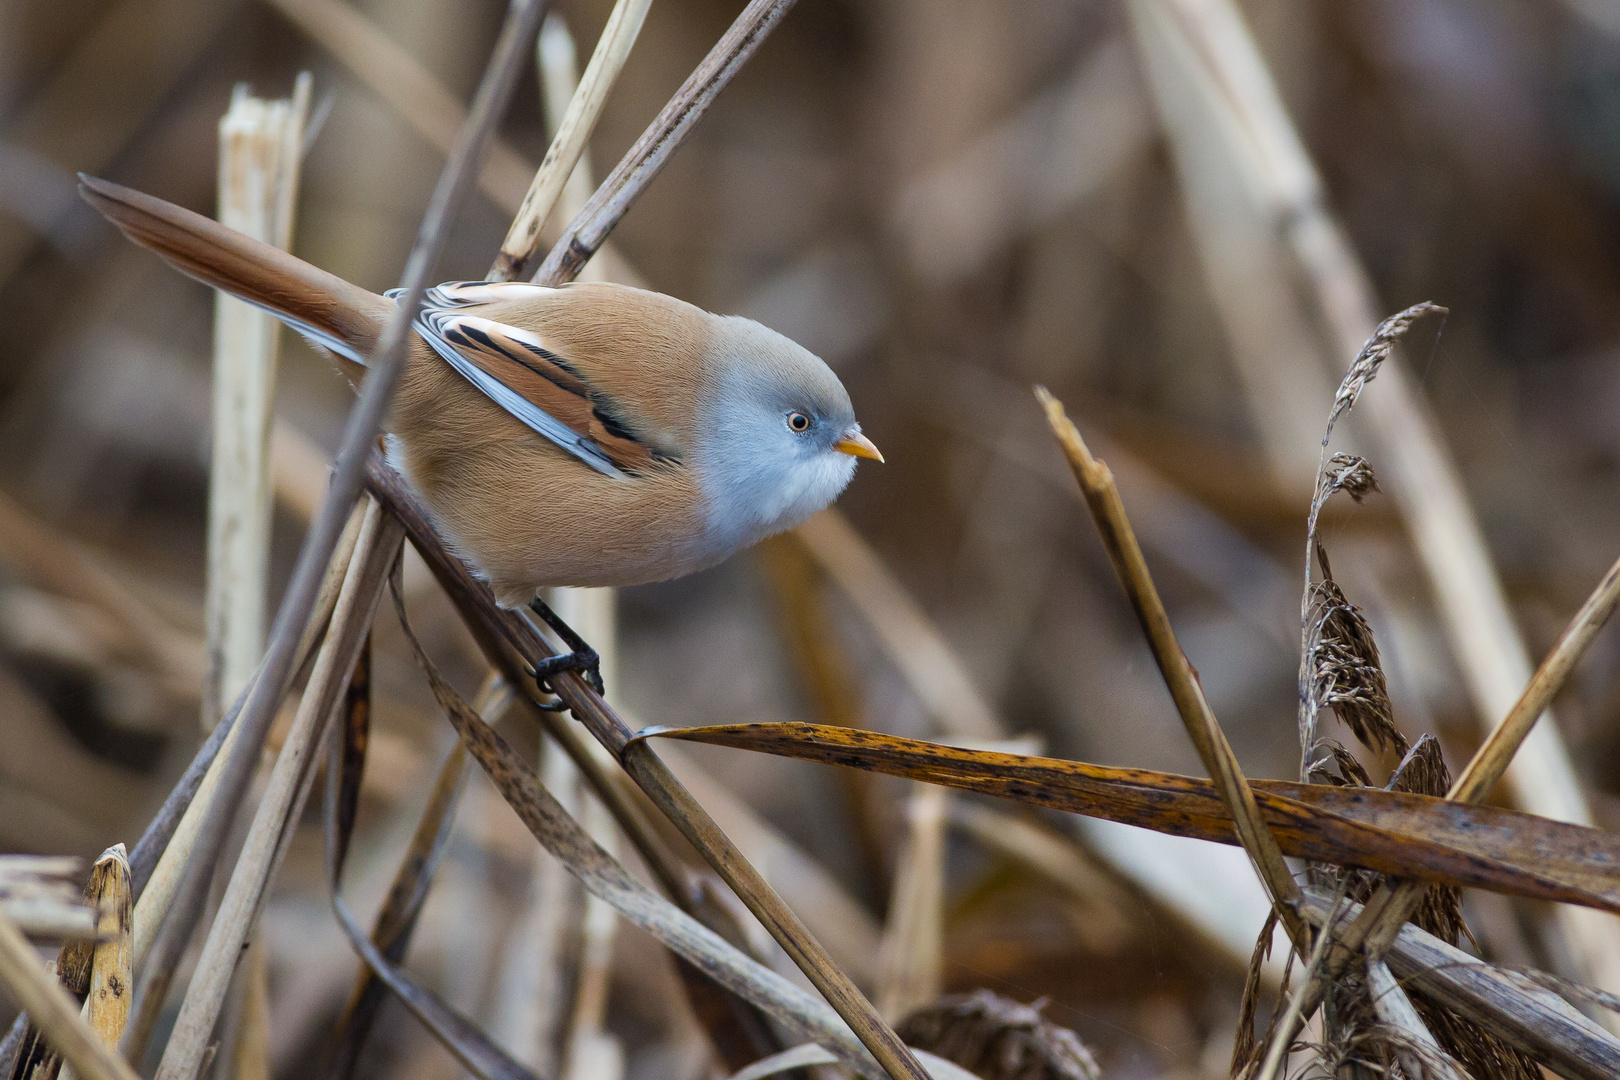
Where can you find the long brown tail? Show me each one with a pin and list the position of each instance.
(343, 317)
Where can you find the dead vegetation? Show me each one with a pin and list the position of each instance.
(389, 852)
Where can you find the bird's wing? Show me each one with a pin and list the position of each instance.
(541, 388)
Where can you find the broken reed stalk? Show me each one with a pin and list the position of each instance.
(260, 151)
(569, 138)
(1512, 1006)
(1097, 484)
(505, 638)
(54, 1010)
(260, 154)
(590, 228)
(112, 981)
(1490, 762)
(380, 538)
(383, 371)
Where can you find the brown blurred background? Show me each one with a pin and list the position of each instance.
(949, 201)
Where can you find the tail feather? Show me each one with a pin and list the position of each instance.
(323, 307)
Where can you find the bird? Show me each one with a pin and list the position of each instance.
(591, 434)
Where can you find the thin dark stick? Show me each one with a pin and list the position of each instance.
(384, 368)
(590, 228)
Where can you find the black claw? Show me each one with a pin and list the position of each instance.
(583, 659)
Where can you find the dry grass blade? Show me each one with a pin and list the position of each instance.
(643, 161)
(460, 1035)
(1387, 831)
(54, 1010)
(396, 919)
(1491, 761)
(584, 108)
(1513, 1007)
(502, 636)
(112, 980)
(1097, 484)
(603, 877)
(283, 798)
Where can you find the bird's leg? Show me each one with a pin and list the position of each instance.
(582, 658)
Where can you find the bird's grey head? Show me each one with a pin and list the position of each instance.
(779, 436)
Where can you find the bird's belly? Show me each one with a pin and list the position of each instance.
(528, 516)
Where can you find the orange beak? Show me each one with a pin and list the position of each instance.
(857, 445)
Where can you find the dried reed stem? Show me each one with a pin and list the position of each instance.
(1097, 484)
(112, 980)
(260, 151)
(1424, 1058)
(570, 136)
(54, 1011)
(1492, 760)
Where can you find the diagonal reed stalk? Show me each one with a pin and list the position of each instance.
(1097, 484)
(590, 228)
(510, 642)
(284, 796)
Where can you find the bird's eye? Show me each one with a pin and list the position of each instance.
(798, 421)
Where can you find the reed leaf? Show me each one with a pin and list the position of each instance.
(1392, 832)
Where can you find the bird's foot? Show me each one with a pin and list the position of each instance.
(581, 659)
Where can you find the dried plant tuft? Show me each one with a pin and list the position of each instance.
(999, 1039)
(1350, 474)
(1344, 671)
